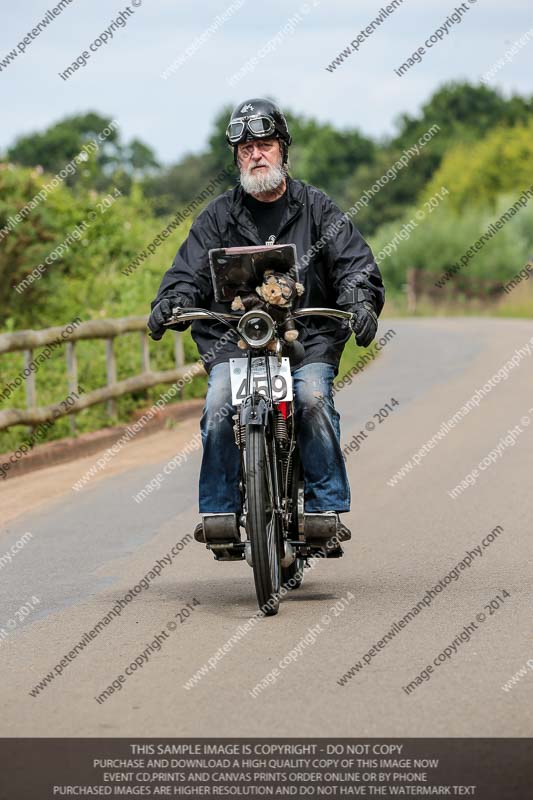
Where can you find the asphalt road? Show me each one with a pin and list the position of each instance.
(90, 547)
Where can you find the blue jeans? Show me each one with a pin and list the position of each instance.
(326, 486)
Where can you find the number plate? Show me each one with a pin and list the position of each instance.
(280, 375)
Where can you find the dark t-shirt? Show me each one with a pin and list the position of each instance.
(267, 216)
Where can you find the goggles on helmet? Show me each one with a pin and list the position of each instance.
(260, 125)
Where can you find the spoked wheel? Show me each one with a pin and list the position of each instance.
(262, 522)
(293, 575)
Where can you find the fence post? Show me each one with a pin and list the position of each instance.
(145, 358)
(111, 368)
(72, 375)
(179, 355)
(31, 394)
(411, 289)
(145, 352)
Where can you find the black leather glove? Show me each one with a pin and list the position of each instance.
(364, 323)
(359, 299)
(162, 312)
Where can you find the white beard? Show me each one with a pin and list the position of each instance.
(262, 182)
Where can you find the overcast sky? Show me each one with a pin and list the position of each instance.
(122, 78)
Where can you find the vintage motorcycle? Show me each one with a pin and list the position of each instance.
(280, 537)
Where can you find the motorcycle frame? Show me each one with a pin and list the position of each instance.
(257, 409)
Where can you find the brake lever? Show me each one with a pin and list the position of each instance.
(176, 311)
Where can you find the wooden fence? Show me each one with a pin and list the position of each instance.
(109, 330)
(420, 284)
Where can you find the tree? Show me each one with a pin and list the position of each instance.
(140, 158)
(463, 112)
(389, 200)
(326, 157)
(178, 185)
(60, 143)
(478, 174)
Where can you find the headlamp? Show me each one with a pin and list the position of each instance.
(256, 328)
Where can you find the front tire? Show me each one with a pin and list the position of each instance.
(262, 522)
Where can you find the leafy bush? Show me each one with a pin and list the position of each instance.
(477, 174)
(87, 282)
(440, 240)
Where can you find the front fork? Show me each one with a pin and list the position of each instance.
(255, 410)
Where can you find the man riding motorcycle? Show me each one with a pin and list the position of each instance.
(270, 207)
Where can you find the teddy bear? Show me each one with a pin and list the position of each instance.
(276, 295)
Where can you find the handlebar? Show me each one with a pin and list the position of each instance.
(323, 312)
(199, 313)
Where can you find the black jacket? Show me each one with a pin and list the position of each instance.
(226, 222)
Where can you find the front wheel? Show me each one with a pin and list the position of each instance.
(262, 522)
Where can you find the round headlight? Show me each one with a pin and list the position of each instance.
(256, 328)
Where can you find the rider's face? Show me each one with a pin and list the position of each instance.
(258, 155)
(260, 164)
